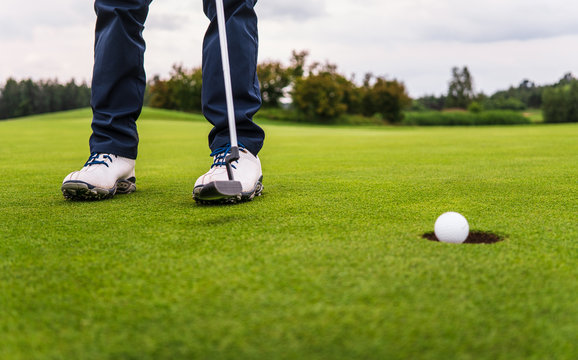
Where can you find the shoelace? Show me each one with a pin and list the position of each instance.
(93, 159)
(221, 153)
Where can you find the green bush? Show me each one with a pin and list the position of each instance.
(501, 117)
(475, 107)
(438, 118)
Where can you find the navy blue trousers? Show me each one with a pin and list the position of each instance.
(119, 79)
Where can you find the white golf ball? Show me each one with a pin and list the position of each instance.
(452, 227)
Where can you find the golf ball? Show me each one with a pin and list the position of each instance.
(452, 227)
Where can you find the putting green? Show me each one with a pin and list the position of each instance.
(329, 264)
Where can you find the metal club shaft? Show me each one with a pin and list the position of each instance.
(226, 72)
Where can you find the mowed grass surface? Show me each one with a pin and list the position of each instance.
(328, 264)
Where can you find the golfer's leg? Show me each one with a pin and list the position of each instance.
(243, 44)
(118, 81)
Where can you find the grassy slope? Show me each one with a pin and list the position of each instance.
(328, 264)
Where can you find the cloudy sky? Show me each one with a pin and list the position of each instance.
(415, 41)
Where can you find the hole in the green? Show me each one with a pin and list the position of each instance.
(475, 237)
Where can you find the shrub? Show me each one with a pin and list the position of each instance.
(475, 107)
(501, 117)
(437, 118)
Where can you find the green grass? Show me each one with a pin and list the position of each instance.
(328, 264)
(535, 115)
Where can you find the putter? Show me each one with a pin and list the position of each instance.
(217, 190)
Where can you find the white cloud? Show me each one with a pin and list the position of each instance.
(173, 15)
(19, 21)
(495, 20)
(291, 9)
(46, 39)
(41, 57)
(416, 41)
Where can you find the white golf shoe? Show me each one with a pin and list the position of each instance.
(246, 170)
(103, 176)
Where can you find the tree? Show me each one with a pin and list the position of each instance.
(526, 95)
(567, 79)
(28, 97)
(182, 91)
(9, 99)
(352, 95)
(319, 96)
(385, 97)
(274, 79)
(460, 91)
(430, 102)
(297, 63)
(560, 104)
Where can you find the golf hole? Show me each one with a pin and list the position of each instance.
(475, 237)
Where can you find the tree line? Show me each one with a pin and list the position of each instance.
(317, 92)
(28, 97)
(461, 95)
(309, 91)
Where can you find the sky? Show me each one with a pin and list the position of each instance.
(502, 42)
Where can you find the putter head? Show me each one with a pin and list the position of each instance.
(219, 190)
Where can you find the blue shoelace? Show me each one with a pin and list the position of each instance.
(93, 159)
(221, 153)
